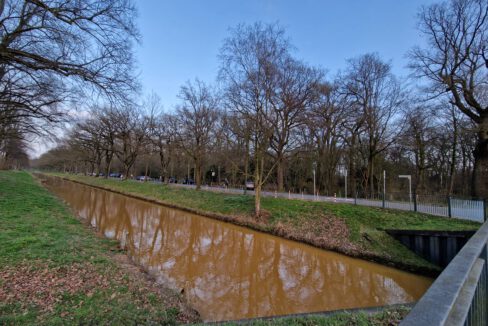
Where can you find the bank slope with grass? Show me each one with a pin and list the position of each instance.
(56, 270)
(353, 230)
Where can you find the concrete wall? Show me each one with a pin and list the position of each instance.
(438, 247)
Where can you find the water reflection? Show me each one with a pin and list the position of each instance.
(229, 272)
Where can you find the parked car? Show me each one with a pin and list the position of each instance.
(115, 175)
(143, 178)
(188, 182)
(249, 185)
(172, 180)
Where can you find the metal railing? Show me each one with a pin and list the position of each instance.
(459, 295)
(468, 209)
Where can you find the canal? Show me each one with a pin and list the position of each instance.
(230, 272)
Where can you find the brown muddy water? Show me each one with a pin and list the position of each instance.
(230, 272)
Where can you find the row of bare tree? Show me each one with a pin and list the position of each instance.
(271, 118)
(274, 119)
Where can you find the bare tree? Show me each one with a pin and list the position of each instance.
(86, 138)
(196, 121)
(295, 93)
(375, 93)
(105, 118)
(418, 139)
(161, 134)
(455, 61)
(325, 130)
(250, 58)
(53, 51)
(163, 139)
(132, 130)
(237, 138)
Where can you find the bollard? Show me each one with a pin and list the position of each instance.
(335, 198)
(289, 194)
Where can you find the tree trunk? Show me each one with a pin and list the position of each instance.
(165, 163)
(198, 173)
(108, 163)
(419, 163)
(452, 171)
(370, 174)
(98, 167)
(127, 171)
(352, 167)
(480, 171)
(146, 169)
(246, 165)
(257, 184)
(257, 200)
(280, 174)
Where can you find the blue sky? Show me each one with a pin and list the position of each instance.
(182, 38)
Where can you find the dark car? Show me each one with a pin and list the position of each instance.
(188, 182)
(115, 175)
(172, 180)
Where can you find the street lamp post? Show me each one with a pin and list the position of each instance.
(409, 177)
(345, 181)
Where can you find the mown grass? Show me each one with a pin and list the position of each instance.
(41, 239)
(387, 317)
(365, 225)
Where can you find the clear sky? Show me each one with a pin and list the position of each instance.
(182, 38)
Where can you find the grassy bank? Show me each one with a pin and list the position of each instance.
(346, 228)
(55, 270)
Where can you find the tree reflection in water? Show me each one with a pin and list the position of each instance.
(230, 272)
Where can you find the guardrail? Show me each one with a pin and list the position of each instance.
(459, 295)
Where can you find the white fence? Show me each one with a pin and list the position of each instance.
(472, 209)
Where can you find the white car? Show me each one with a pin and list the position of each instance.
(249, 185)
